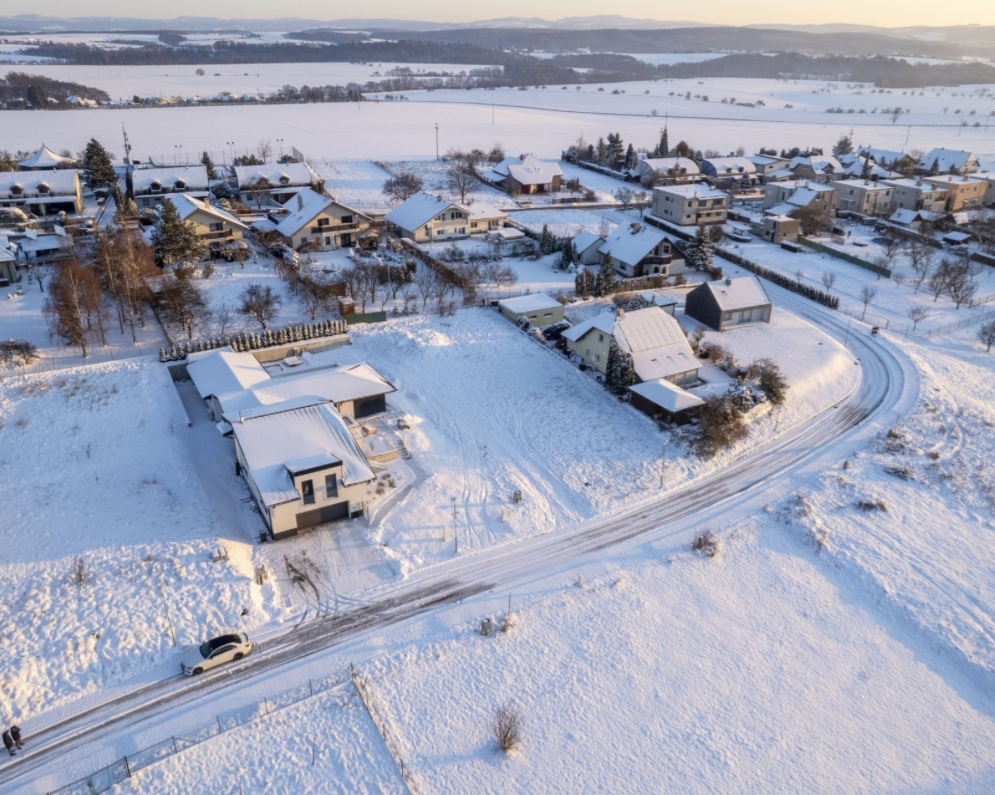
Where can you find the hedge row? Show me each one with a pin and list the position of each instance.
(246, 341)
(819, 296)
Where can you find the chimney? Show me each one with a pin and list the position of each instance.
(300, 202)
(728, 282)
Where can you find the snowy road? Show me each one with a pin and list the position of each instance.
(887, 390)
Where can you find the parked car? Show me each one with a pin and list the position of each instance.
(555, 331)
(215, 652)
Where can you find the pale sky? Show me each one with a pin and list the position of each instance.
(885, 13)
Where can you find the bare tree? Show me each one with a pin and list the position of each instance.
(917, 314)
(986, 334)
(961, 286)
(260, 302)
(940, 278)
(317, 294)
(508, 728)
(867, 294)
(891, 246)
(427, 284)
(461, 174)
(814, 220)
(73, 298)
(224, 314)
(402, 186)
(828, 280)
(624, 196)
(184, 305)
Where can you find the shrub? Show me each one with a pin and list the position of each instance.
(872, 505)
(720, 425)
(707, 544)
(508, 728)
(769, 379)
(17, 353)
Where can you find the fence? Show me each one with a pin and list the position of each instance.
(362, 685)
(126, 767)
(832, 252)
(365, 317)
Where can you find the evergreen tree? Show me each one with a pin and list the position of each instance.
(619, 371)
(615, 150)
(601, 152)
(844, 146)
(664, 149)
(209, 165)
(935, 168)
(567, 255)
(865, 171)
(97, 168)
(547, 243)
(631, 158)
(604, 283)
(174, 241)
(698, 252)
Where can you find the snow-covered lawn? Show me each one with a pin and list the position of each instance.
(925, 551)
(750, 672)
(433, 175)
(355, 183)
(103, 489)
(564, 223)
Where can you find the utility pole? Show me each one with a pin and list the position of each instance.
(437, 140)
(455, 528)
(492, 113)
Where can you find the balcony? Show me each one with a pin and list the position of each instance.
(224, 234)
(331, 228)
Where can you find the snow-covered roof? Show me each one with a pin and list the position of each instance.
(187, 205)
(170, 178)
(41, 243)
(855, 168)
(585, 240)
(744, 292)
(954, 179)
(820, 164)
(904, 217)
(666, 395)
(276, 175)
(419, 210)
(945, 159)
(224, 372)
(281, 443)
(913, 182)
(604, 322)
(781, 173)
(536, 302)
(38, 184)
(303, 208)
(44, 158)
(529, 170)
(888, 156)
(957, 237)
(658, 298)
(506, 233)
(350, 382)
(731, 165)
(863, 184)
(697, 190)
(764, 160)
(487, 212)
(656, 343)
(630, 244)
(676, 165)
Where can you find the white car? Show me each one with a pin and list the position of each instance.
(214, 652)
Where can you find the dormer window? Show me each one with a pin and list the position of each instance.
(16, 190)
(180, 185)
(284, 179)
(43, 187)
(156, 186)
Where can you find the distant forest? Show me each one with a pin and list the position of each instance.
(524, 70)
(34, 91)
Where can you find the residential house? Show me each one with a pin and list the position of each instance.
(767, 164)
(302, 464)
(890, 159)
(864, 197)
(219, 229)
(149, 185)
(784, 198)
(777, 228)
(591, 340)
(45, 160)
(525, 175)
(8, 264)
(912, 219)
(963, 192)
(948, 161)
(913, 193)
(425, 218)
(587, 247)
(486, 218)
(274, 183)
(36, 248)
(728, 171)
(863, 167)
(539, 309)
(989, 178)
(817, 168)
(638, 250)
(729, 302)
(666, 171)
(690, 205)
(42, 192)
(315, 220)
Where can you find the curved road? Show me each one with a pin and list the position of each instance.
(887, 389)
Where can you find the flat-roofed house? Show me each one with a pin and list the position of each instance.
(963, 192)
(864, 197)
(913, 193)
(690, 205)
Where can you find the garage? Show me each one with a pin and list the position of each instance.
(328, 513)
(367, 407)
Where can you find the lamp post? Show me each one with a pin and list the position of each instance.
(437, 140)
(231, 145)
(176, 153)
(280, 141)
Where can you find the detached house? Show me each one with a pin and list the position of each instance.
(948, 161)
(726, 171)
(767, 164)
(690, 205)
(963, 192)
(212, 224)
(314, 219)
(915, 194)
(666, 171)
(818, 168)
(42, 192)
(150, 185)
(730, 302)
(525, 175)
(784, 198)
(273, 183)
(587, 247)
(638, 250)
(890, 159)
(425, 218)
(864, 197)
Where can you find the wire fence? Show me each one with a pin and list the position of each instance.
(362, 684)
(126, 767)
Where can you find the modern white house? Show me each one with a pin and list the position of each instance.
(150, 185)
(913, 193)
(690, 205)
(313, 219)
(864, 196)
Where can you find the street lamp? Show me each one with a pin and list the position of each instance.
(231, 144)
(176, 153)
(280, 141)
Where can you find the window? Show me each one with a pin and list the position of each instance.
(331, 487)
(218, 227)
(347, 219)
(601, 338)
(307, 491)
(323, 222)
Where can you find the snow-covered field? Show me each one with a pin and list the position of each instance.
(564, 223)
(356, 183)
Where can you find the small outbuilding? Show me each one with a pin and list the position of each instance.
(539, 309)
(729, 302)
(660, 399)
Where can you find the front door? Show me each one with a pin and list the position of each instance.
(347, 240)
